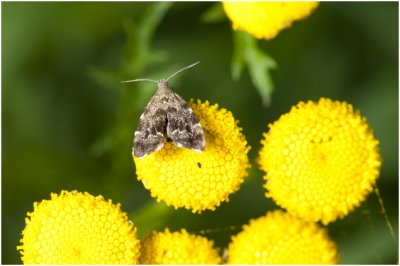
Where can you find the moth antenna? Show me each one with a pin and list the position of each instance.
(180, 70)
(136, 80)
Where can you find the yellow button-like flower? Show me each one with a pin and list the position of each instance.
(78, 228)
(198, 180)
(321, 160)
(177, 248)
(279, 238)
(264, 20)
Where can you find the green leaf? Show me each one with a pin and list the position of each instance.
(260, 64)
(247, 53)
(214, 14)
(137, 56)
(138, 53)
(238, 57)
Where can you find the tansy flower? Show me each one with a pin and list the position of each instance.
(264, 20)
(278, 238)
(198, 180)
(177, 248)
(321, 160)
(78, 228)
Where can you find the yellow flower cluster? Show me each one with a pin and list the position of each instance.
(178, 248)
(278, 238)
(199, 181)
(264, 20)
(321, 160)
(78, 228)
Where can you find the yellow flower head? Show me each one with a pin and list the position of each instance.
(198, 180)
(177, 248)
(321, 160)
(264, 20)
(78, 228)
(278, 238)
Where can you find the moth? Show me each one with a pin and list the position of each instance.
(168, 114)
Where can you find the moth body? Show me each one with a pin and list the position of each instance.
(167, 114)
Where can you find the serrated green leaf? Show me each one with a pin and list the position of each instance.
(214, 14)
(137, 52)
(138, 55)
(260, 65)
(238, 57)
(247, 53)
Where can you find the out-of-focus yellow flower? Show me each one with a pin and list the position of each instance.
(264, 20)
(78, 228)
(198, 180)
(321, 160)
(278, 238)
(177, 248)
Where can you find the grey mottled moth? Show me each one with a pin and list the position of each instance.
(167, 113)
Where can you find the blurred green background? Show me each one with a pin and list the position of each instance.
(68, 123)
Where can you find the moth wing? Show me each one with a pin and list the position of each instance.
(183, 127)
(149, 135)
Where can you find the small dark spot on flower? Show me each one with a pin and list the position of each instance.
(199, 165)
